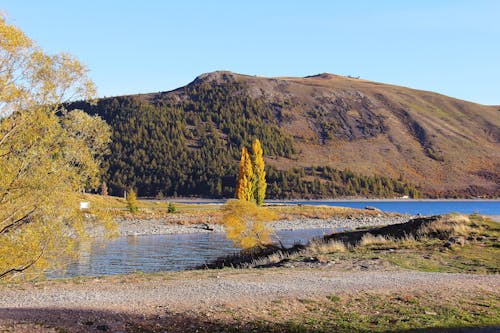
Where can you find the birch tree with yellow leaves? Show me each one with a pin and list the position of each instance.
(47, 155)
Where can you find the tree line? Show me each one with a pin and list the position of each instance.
(327, 182)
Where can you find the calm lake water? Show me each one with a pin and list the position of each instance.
(424, 207)
(156, 253)
(164, 253)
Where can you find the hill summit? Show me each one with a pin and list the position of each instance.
(323, 135)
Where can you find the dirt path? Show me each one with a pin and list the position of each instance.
(117, 298)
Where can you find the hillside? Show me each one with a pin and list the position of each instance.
(323, 136)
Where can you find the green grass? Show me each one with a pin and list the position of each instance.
(360, 312)
(466, 259)
(385, 313)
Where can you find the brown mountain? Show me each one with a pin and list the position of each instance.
(187, 141)
(441, 143)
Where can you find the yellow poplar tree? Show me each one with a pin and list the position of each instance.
(244, 220)
(244, 188)
(259, 181)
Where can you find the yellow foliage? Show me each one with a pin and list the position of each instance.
(132, 202)
(259, 173)
(244, 187)
(46, 154)
(248, 242)
(246, 223)
(251, 184)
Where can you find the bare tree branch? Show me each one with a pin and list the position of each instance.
(21, 269)
(18, 222)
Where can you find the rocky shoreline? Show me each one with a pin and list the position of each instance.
(136, 227)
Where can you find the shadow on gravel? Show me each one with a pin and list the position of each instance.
(81, 320)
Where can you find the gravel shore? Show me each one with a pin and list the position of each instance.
(495, 217)
(112, 304)
(135, 227)
(197, 288)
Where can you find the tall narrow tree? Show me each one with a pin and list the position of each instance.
(244, 221)
(244, 188)
(259, 178)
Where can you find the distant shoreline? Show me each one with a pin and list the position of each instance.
(294, 201)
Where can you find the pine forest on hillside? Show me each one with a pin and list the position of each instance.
(191, 146)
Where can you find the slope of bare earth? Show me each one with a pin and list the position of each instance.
(444, 144)
(115, 303)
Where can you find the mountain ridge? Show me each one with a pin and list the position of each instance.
(445, 146)
(324, 75)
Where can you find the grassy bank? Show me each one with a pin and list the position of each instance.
(191, 213)
(451, 243)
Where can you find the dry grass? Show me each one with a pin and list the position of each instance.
(321, 246)
(410, 242)
(195, 218)
(371, 241)
(415, 246)
(320, 212)
(447, 226)
(444, 228)
(317, 248)
(185, 214)
(106, 202)
(270, 259)
(434, 233)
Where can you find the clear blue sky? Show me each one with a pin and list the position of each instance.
(452, 47)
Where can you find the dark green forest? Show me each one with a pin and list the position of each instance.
(327, 182)
(189, 144)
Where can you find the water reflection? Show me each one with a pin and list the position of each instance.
(157, 253)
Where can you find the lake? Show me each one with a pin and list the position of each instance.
(164, 253)
(424, 207)
(157, 253)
